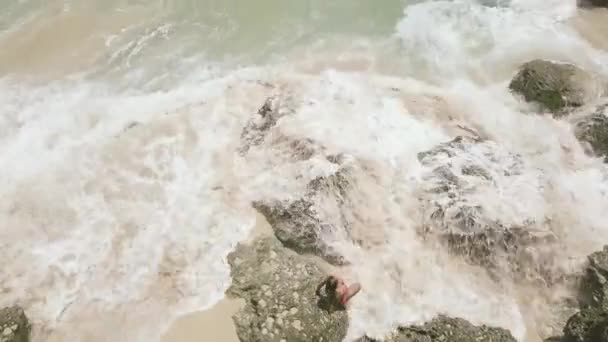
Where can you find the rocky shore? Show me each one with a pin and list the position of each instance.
(278, 286)
(277, 275)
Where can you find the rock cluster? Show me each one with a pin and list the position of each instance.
(277, 279)
(279, 286)
(563, 89)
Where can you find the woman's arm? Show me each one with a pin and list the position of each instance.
(352, 291)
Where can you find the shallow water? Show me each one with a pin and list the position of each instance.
(123, 191)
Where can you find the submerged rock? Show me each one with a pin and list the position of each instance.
(556, 86)
(446, 329)
(279, 286)
(467, 168)
(261, 132)
(593, 129)
(302, 224)
(322, 212)
(256, 130)
(14, 326)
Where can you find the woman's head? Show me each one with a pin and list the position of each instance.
(332, 284)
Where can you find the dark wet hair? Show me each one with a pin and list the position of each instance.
(330, 301)
(332, 284)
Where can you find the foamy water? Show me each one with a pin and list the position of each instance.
(123, 191)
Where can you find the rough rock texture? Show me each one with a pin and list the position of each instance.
(446, 329)
(300, 224)
(594, 286)
(588, 325)
(256, 129)
(279, 289)
(467, 166)
(593, 129)
(14, 326)
(262, 129)
(556, 86)
(591, 323)
(279, 286)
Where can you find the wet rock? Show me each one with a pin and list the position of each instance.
(262, 133)
(256, 130)
(556, 86)
(588, 325)
(306, 223)
(593, 130)
(296, 149)
(303, 224)
(279, 286)
(460, 170)
(594, 285)
(14, 325)
(446, 329)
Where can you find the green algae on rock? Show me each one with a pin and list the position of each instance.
(556, 86)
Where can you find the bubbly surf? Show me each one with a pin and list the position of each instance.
(124, 192)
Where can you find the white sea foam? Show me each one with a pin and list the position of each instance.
(124, 191)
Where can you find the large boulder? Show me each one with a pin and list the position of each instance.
(317, 213)
(590, 324)
(302, 224)
(446, 329)
(278, 287)
(556, 86)
(258, 129)
(592, 129)
(14, 326)
(594, 286)
(466, 169)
